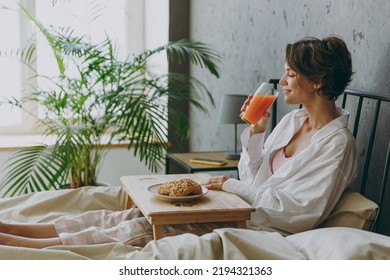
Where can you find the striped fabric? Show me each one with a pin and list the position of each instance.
(128, 226)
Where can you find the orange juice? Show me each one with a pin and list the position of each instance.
(258, 107)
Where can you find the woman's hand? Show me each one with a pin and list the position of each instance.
(216, 182)
(261, 126)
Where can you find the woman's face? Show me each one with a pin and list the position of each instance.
(297, 89)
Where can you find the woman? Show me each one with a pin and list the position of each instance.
(294, 180)
(309, 159)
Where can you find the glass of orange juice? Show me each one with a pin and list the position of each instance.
(260, 103)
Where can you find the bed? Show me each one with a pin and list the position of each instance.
(318, 244)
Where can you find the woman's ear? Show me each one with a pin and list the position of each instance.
(317, 85)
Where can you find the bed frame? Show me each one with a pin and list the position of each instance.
(369, 123)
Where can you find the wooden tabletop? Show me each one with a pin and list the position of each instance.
(215, 206)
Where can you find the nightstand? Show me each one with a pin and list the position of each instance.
(177, 163)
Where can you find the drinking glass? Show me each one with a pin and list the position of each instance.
(260, 103)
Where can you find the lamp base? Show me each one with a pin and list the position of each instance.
(232, 155)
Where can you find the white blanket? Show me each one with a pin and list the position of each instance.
(326, 243)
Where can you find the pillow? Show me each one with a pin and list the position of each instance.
(352, 210)
(340, 243)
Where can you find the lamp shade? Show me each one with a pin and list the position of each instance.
(230, 109)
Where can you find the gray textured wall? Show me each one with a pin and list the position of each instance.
(252, 34)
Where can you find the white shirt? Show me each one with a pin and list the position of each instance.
(302, 192)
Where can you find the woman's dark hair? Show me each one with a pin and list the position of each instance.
(326, 61)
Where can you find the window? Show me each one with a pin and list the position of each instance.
(135, 25)
(10, 69)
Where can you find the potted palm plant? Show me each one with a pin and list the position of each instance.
(106, 100)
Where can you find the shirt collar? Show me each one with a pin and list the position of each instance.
(340, 122)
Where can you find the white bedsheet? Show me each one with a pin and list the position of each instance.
(326, 243)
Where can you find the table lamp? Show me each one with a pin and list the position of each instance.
(229, 113)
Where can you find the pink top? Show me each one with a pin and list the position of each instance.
(279, 159)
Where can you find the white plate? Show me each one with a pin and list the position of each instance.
(153, 190)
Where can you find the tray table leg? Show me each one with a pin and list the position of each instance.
(157, 232)
(129, 202)
(241, 224)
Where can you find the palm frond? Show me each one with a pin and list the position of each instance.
(49, 37)
(96, 9)
(70, 45)
(187, 50)
(26, 55)
(32, 169)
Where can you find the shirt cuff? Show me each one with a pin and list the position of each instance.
(253, 145)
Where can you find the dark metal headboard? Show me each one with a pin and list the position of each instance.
(376, 101)
(360, 104)
(275, 83)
